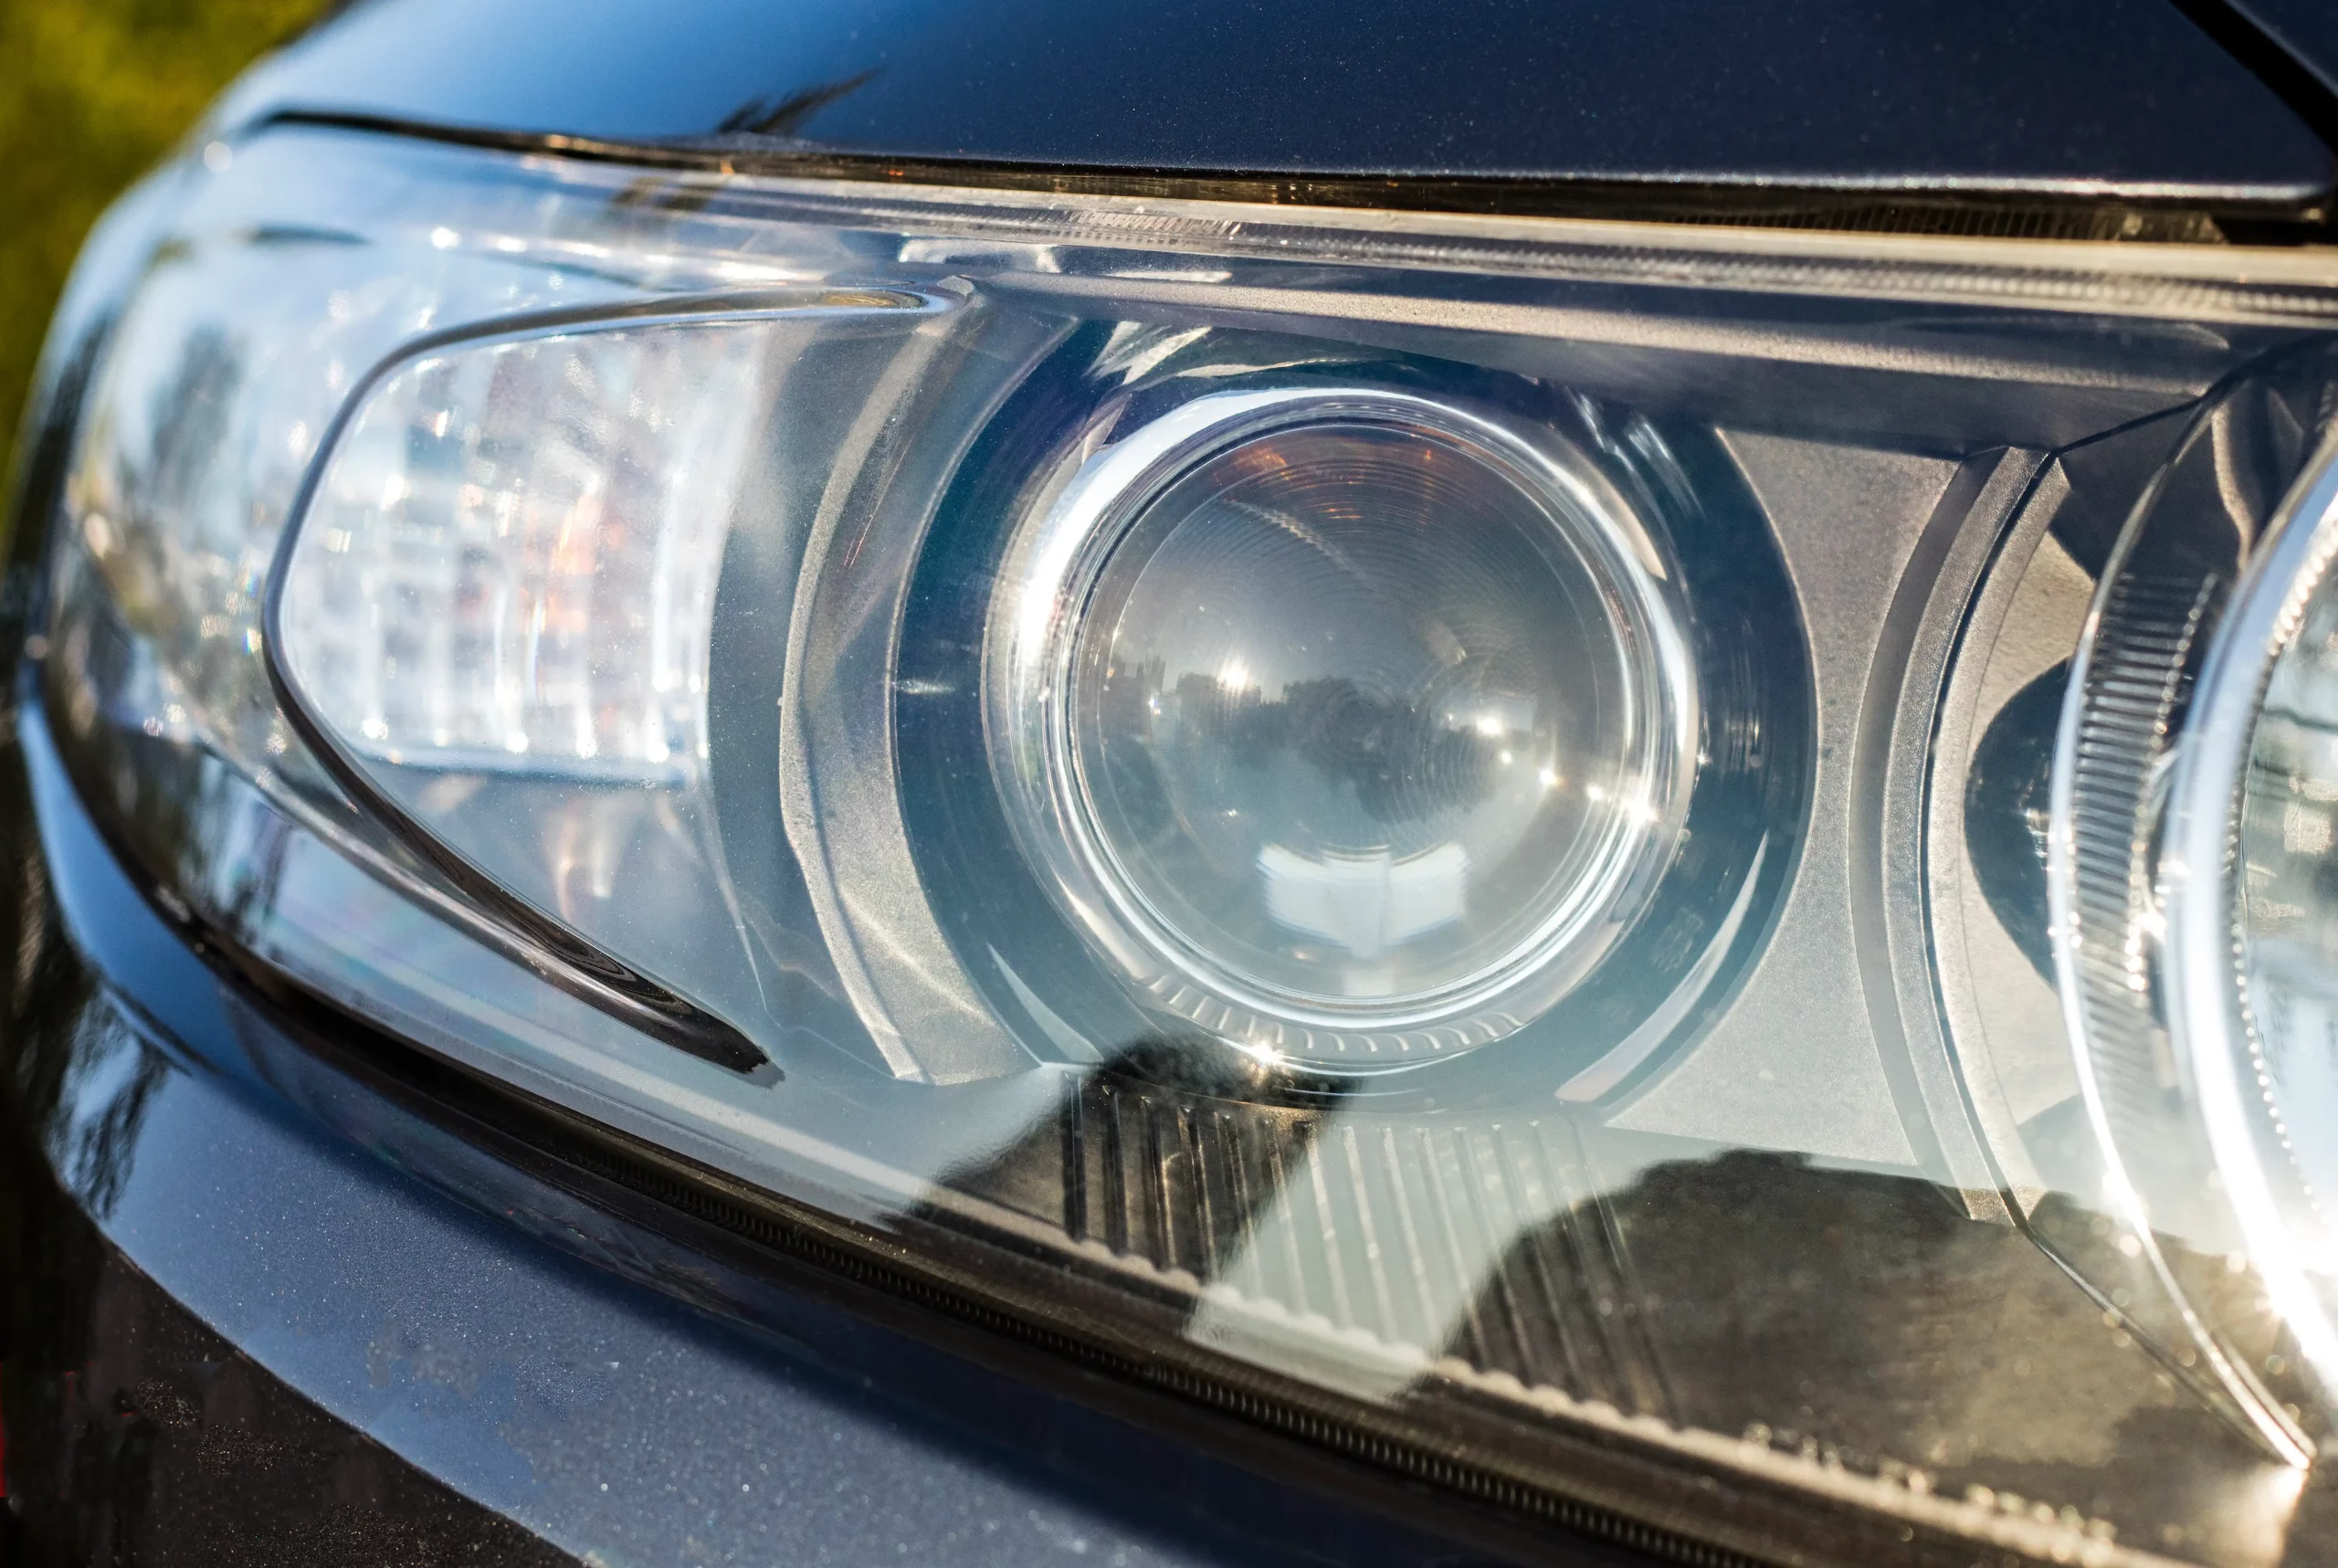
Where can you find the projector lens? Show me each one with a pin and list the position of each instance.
(1359, 722)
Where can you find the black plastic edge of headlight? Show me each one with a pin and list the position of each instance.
(1976, 212)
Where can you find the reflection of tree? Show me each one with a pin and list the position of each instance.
(2006, 812)
(178, 549)
(1858, 1315)
(113, 1076)
(1406, 761)
(188, 416)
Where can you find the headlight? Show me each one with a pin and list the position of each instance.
(1672, 877)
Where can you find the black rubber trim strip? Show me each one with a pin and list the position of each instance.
(2285, 76)
(2002, 214)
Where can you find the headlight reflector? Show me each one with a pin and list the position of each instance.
(508, 562)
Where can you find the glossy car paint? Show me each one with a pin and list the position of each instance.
(225, 1279)
(2096, 95)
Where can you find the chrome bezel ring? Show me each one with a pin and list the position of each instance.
(2205, 958)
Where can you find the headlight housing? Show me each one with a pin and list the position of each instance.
(1442, 826)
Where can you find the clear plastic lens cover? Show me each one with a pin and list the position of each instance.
(1450, 822)
(2286, 924)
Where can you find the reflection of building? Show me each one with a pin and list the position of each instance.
(1367, 904)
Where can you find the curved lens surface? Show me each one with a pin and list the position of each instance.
(1357, 726)
(2285, 911)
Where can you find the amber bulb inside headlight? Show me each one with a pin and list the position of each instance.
(1349, 724)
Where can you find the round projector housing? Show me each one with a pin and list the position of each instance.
(1349, 726)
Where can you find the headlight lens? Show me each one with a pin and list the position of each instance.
(2284, 924)
(2287, 901)
(2236, 935)
(1449, 826)
(2162, 891)
(1345, 721)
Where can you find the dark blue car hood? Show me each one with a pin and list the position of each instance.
(2124, 98)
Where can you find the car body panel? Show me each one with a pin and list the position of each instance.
(2101, 96)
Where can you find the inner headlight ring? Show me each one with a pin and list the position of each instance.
(2196, 604)
(2216, 879)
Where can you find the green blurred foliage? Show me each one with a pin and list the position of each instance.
(93, 92)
